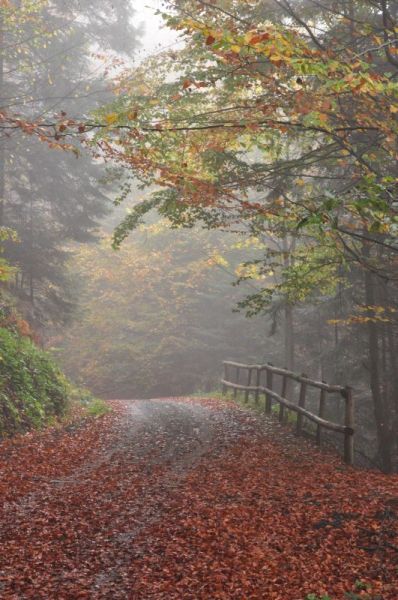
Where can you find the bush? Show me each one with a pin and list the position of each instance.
(33, 390)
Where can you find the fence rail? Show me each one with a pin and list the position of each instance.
(232, 377)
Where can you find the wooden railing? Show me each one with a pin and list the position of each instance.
(253, 376)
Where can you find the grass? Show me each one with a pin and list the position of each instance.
(87, 403)
(214, 394)
(97, 408)
(240, 400)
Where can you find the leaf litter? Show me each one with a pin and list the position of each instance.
(191, 499)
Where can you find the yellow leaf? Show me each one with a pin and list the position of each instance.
(111, 118)
(236, 49)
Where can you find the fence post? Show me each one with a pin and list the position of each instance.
(249, 378)
(283, 394)
(237, 381)
(224, 387)
(268, 398)
(289, 385)
(321, 413)
(349, 423)
(257, 392)
(303, 390)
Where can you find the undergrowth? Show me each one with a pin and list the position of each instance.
(87, 403)
(214, 394)
(33, 391)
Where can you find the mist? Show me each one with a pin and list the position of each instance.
(198, 222)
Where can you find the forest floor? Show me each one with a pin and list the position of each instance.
(190, 499)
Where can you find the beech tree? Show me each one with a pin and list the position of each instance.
(278, 113)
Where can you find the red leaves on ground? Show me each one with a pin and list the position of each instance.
(102, 511)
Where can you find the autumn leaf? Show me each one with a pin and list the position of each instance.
(111, 118)
(257, 501)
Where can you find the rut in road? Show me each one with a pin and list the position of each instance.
(189, 498)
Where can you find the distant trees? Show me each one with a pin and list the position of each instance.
(156, 317)
(52, 67)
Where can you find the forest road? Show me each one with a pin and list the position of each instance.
(169, 432)
(91, 519)
(189, 499)
(164, 439)
(167, 439)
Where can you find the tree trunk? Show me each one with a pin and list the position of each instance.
(379, 402)
(391, 371)
(2, 148)
(289, 338)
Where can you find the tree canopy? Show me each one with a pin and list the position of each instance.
(277, 119)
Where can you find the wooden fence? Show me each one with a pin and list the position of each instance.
(253, 376)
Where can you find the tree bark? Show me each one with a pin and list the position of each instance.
(2, 148)
(289, 337)
(379, 402)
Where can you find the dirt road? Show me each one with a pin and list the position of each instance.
(188, 499)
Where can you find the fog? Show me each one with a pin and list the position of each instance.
(195, 283)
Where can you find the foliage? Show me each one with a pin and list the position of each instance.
(42, 41)
(32, 389)
(22, 27)
(156, 317)
(5, 269)
(287, 112)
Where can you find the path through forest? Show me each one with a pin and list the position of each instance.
(192, 499)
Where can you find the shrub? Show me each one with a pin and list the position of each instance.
(32, 389)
